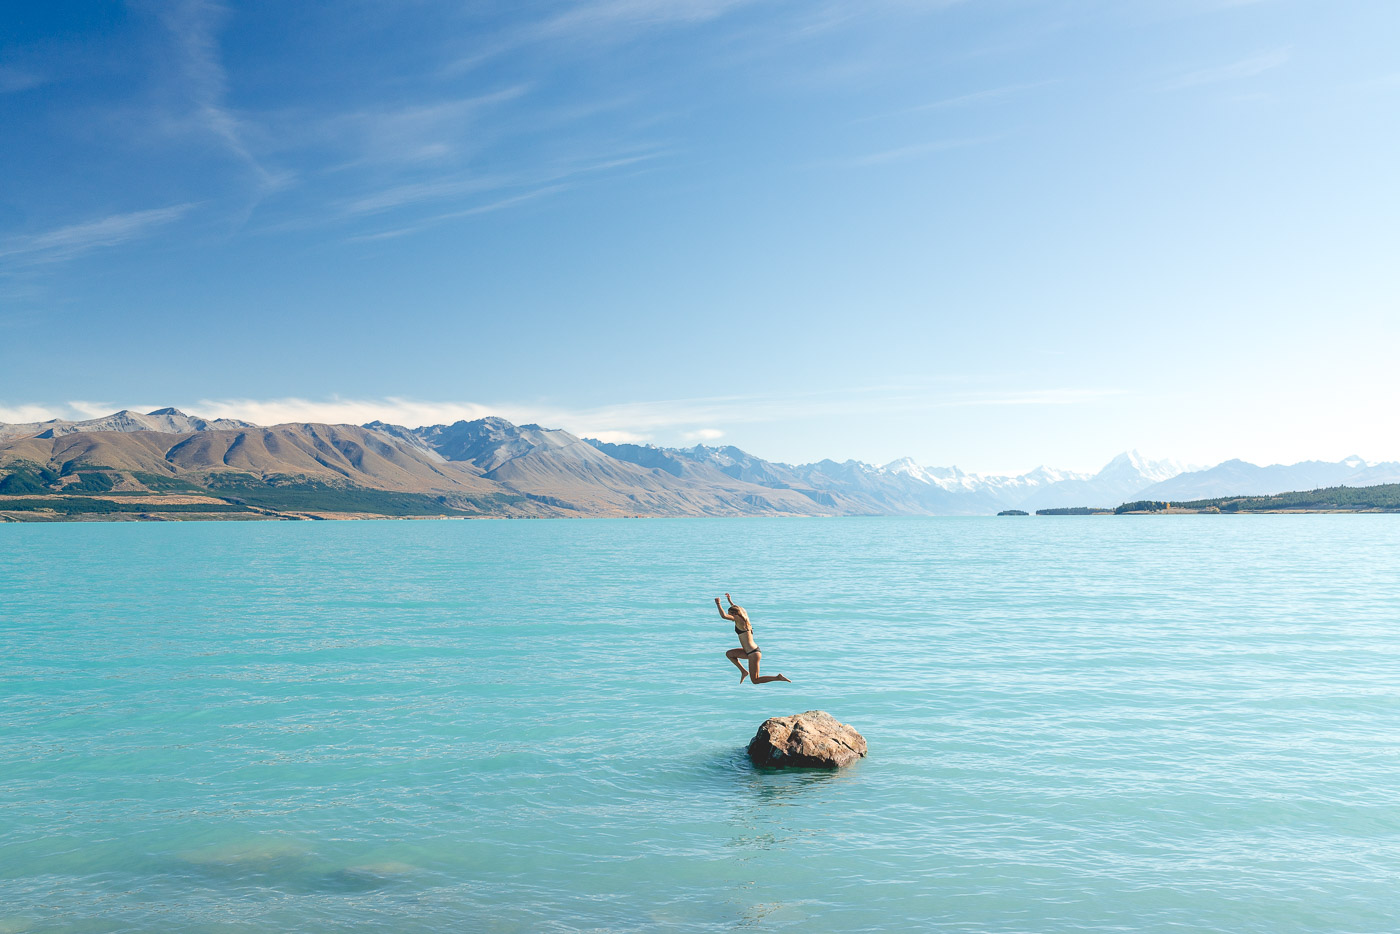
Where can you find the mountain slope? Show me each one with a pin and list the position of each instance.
(565, 469)
(337, 453)
(726, 467)
(903, 487)
(525, 470)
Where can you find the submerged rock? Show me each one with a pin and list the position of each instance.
(811, 740)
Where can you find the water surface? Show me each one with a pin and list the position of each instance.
(1107, 724)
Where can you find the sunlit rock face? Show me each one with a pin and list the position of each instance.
(811, 740)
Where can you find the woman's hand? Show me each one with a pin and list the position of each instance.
(727, 597)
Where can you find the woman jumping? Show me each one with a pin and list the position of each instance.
(747, 647)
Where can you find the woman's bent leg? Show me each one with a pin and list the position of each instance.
(734, 655)
(753, 672)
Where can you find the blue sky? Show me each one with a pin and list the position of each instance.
(988, 233)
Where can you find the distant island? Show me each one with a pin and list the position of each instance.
(167, 465)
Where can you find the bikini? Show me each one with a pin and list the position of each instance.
(738, 631)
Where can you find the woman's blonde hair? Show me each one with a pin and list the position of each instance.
(739, 612)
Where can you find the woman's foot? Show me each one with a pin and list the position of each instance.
(782, 677)
(742, 676)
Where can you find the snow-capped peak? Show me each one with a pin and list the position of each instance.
(946, 477)
(1151, 471)
(906, 466)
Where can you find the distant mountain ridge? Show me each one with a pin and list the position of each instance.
(491, 466)
(168, 420)
(483, 467)
(1240, 478)
(905, 487)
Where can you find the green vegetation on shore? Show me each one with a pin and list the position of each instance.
(40, 492)
(1144, 505)
(24, 477)
(81, 506)
(299, 494)
(1381, 498)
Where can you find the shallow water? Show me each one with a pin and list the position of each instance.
(1105, 724)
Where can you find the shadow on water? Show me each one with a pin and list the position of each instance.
(771, 785)
(774, 785)
(287, 866)
(792, 786)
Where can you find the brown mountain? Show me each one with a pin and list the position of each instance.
(484, 467)
(568, 470)
(325, 452)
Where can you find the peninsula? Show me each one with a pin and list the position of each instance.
(1380, 498)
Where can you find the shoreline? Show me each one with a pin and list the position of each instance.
(244, 513)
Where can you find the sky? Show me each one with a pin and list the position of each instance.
(990, 233)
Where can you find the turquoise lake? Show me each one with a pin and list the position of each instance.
(1173, 724)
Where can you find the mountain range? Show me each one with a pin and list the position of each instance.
(491, 467)
(166, 420)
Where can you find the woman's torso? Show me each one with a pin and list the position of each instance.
(745, 636)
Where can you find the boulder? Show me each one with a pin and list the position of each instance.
(811, 740)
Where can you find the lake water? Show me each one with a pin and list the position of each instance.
(1106, 724)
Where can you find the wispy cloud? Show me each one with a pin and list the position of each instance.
(589, 23)
(695, 419)
(601, 15)
(337, 410)
(487, 208)
(425, 191)
(667, 421)
(647, 418)
(76, 410)
(989, 95)
(542, 184)
(915, 151)
(67, 242)
(412, 133)
(1032, 397)
(193, 25)
(1244, 68)
(86, 408)
(25, 414)
(14, 78)
(457, 186)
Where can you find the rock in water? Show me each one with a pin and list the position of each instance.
(811, 740)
